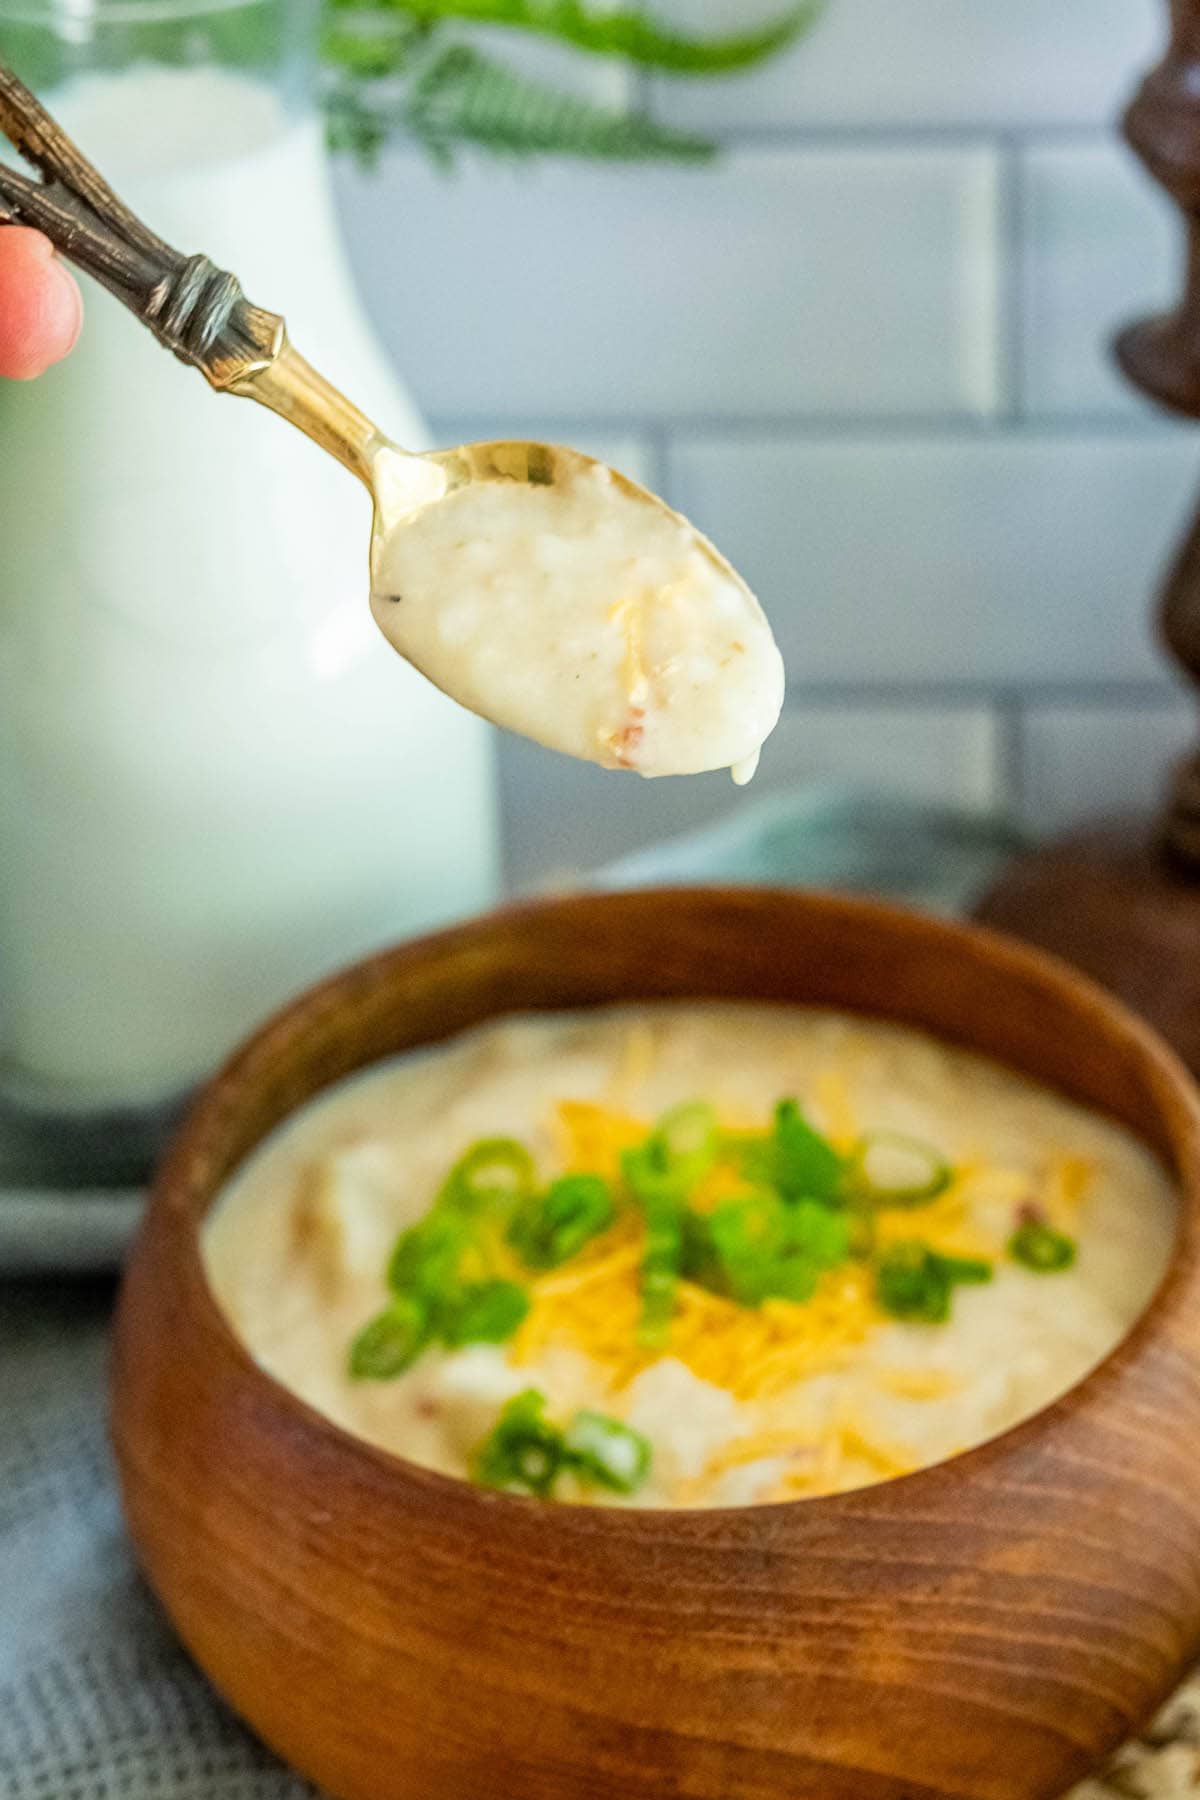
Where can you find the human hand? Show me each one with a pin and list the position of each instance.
(41, 309)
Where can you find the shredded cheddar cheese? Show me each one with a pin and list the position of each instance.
(943, 1224)
(629, 616)
(1069, 1180)
(918, 1384)
(593, 1136)
(832, 1098)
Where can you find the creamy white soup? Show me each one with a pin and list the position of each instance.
(587, 617)
(688, 1255)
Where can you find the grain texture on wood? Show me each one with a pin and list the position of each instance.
(983, 1630)
(1108, 900)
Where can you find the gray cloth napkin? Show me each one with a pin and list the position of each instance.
(97, 1700)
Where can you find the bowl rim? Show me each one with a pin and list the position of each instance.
(1178, 1288)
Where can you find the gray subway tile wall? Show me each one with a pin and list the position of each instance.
(1088, 760)
(874, 64)
(614, 292)
(1098, 245)
(1011, 558)
(867, 350)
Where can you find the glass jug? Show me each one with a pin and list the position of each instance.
(216, 781)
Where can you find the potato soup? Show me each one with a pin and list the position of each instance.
(688, 1255)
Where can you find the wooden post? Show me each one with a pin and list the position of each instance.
(1162, 355)
(1122, 901)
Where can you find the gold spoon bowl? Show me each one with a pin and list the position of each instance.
(201, 314)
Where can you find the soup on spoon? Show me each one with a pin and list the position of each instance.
(563, 601)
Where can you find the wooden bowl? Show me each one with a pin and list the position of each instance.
(985, 1629)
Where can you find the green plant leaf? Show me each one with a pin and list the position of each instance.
(631, 32)
(371, 44)
(461, 96)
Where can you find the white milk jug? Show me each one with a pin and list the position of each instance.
(216, 780)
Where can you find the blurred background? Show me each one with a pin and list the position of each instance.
(865, 350)
(848, 308)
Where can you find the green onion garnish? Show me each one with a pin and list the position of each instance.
(523, 1453)
(807, 1209)
(662, 1264)
(436, 1257)
(888, 1168)
(548, 1229)
(492, 1172)
(795, 1159)
(689, 1137)
(444, 1266)
(391, 1342)
(603, 1451)
(769, 1248)
(489, 1312)
(914, 1282)
(1040, 1247)
(660, 1173)
(676, 1156)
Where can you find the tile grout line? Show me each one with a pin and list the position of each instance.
(659, 474)
(813, 428)
(943, 696)
(872, 137)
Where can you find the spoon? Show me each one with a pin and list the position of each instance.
(531, 583)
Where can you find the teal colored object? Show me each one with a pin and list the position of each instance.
(936, 857)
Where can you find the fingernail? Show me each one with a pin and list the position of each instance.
(71, 288)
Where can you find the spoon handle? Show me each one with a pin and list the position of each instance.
(196, 310)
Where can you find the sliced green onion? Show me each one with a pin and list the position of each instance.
(442, 1270)
(795, 1159)
(914, 1282)
(548, 1229)
(602, 1450)
(689, 1137)
(889, 1168)
(747, 1236)
(493, 1171)
(966, 1271)
(662, 1262)
(819, 1232)
(769, 1248)
(1040, 1247)
(698, 1260)
(660, 1173)
(434, 1258)
(675, 1157)
(808, 1164)
(524, 1452)
(391, 1342)
(488, 1312)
